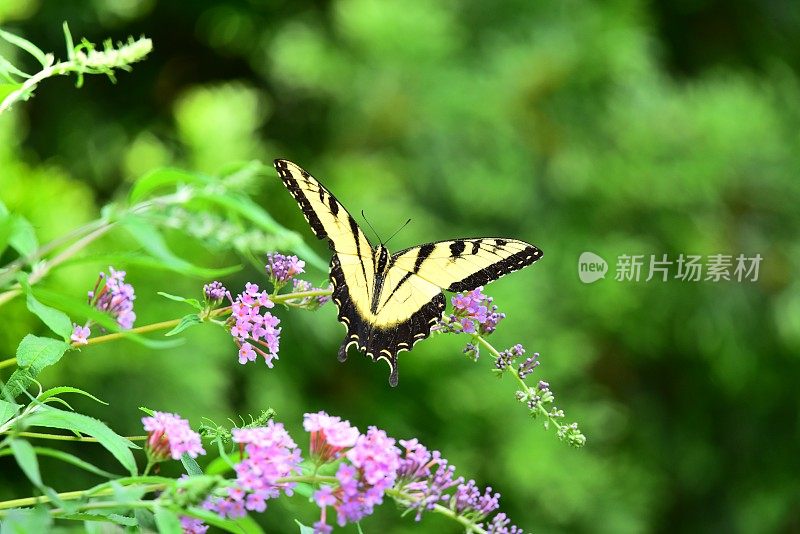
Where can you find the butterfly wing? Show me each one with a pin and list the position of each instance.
(464, 264)
(352, 267)
(411, 299)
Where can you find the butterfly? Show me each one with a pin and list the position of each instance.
(390, 302)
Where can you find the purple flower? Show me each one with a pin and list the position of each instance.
(499, 525)
(527, 367)
(329, 435)
(191, 525)
(214, 292)
(271, 456)
(80, 334)
(426, 488)
(320, 527)
(112, 295)
(372, 470)
(475, 312)
(302, 286)
(281, 269)
(469, 499)
(254, 332)
(168, 435)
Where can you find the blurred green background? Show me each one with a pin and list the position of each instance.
(619, 127)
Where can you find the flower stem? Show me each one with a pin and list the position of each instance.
(61, 437)
(469, 526)
(100, 490)
(496, 354)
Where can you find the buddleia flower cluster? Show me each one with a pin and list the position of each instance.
(254, 328)
(170, 436)
(255, 331)
(369, 468)
(110, 295)
(475, 314)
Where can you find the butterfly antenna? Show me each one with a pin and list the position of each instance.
(371, 228)
(397, 232)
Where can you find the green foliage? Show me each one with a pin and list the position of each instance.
(117, 445)
(601, 126)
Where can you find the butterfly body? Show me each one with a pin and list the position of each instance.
(389, 302)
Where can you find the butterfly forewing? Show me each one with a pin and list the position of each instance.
(330, 220)
(464, 264)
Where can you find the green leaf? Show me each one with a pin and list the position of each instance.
(153, 242)
(245, 207)
(7, 69)
(56, 320)
(161, 178)
(186, 321)
(26, 45)
(132, 259)
(26, 459)
(306, 490)
(191, 465)
(304, 529)
(220, 465)
(8, 410)
(117, 445)
(23, 237)
(36, 353)
(68, 458)
(192, 302)
(26, 521)
(52, 392)
(243, 525)
(18, 382)
(167, 521)
(145, 519)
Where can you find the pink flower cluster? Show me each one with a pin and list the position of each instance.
(114, 297)
(111, 295)
(371, 464)
(372, 469)
(329, 436)
(170, 436)
(271, 455)
(253, 331)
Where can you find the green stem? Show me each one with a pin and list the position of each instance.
(281, 299)
(469, 526)
(61, 437)
(172, 323)
(97, 491)
(42, 270)
(53, 70)
(522, 383)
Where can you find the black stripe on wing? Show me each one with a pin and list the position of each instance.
(300, 197)
(462, 249)
(515, 262)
